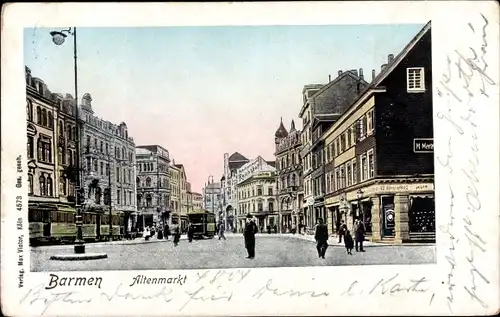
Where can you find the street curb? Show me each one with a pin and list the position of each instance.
(78, 257)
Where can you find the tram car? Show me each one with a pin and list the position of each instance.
(203, 223)
(50, 223)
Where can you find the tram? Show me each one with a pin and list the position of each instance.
(203, 223)
(51, 223)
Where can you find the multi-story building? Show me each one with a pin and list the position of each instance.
(51, 152)
(323, 105)
(380, 150)
(228, 182)
(175, 200)
(212, 199)
(190, 202)
(248, 170)
(153, 185)
(288, 176)
(108, 169)
(183, 197)
(256, 196)
(197, 201)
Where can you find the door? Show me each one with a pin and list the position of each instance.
(98, 226)
(388, 216)
(46, 223)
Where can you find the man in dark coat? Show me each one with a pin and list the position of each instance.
(249, 234)
(342, 230)
(321, 237)
(190, 232)
(359, 235)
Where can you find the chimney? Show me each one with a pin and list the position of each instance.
(329, 78)
(361, 73)
(340, 72)
(390, 58)
(383, 67)
(373, 74)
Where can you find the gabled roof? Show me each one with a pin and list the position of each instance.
(237, 157)
(390, 67)
(271, 163)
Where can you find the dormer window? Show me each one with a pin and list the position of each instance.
(415, 79)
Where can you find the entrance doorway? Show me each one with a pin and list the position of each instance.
(388, 216)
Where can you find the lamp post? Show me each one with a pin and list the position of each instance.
(359, 195)
(58, 37)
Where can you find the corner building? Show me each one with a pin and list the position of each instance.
(378, 173)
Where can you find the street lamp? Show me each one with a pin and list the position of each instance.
(359, 194)
(58, 37)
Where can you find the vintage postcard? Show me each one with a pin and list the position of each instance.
(301, 158)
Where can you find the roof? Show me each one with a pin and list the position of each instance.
(236, 157)
(179, 166)
(281, 132)
(271, 163)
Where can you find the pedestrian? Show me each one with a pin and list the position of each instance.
(275, 229)
(177, 236)
(167, 231)
(294, 228)
(159, 235)
(146, 234)
(321, 237)
(249, 235)
(359, 235)
(221, 231)
(268, 229)
(190, 232)
(349, 243)
(342, 230)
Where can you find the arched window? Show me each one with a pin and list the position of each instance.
(283, 182)
(29, 110)
(30, 184)
(293, 179)
(60, 154)
(39, 115)
(43, 188)
(62, 186)
(123, 152)
(44, 117)
(148, 182)
(50, 123)
(138, 182)
(60, 129)
(139, 200)
(149, 200)
(49, 186)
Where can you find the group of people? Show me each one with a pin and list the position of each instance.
(321, 237)
(150, 231)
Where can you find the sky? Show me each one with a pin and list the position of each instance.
(201, 92)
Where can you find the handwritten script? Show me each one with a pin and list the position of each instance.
(464, 86)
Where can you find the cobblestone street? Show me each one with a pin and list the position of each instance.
(271, 251)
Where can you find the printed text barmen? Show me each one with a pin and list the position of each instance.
(73, 281)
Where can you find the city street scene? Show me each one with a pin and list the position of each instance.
(229, 147)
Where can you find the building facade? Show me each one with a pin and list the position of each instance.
(183, 196)
(212, 199)
(379, 173)
(153, 185)
(257, 196)
(323, 105)
(175, 200)
(288, 176)
(197, 201)
(51, 155)
(107, 169)
(228, 183)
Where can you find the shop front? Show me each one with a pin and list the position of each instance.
(399, 211)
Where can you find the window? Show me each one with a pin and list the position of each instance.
(337, 178)
(342, 142)
(50, 122)
(148, 182)
(371, 164)
(107, 169)
(60, 129)
(101, 147)
(60, 155)
(349, 135)
(364, 168)
(29, 110)
(49, 186)
(44, 117)
(98, 194)
(370, 121)
(363, 126)
(62, 185)
(342, 176)
(260, 206)
(271, 206)
(353, 133)
(44, 150)
(102, 168)
(270, 191)
(118, 197)
(415, 79)
(70, 158)
(39, 115)
(30, 184)
(31, 149)
(354, 172)
(118, 175)
(94, 169)
(349, 174)
(107, 148)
